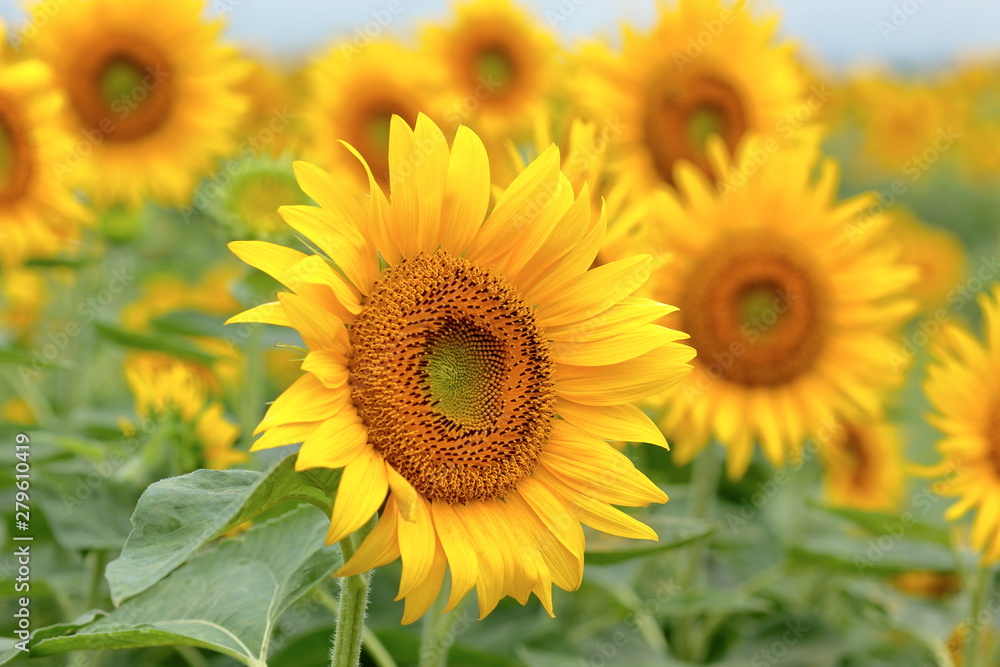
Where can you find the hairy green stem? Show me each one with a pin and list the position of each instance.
(351, 607)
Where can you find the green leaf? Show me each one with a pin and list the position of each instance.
(85, 509)
(8, 650)
(176, 346)
(189, 323)
(227, 599)
(880, 554)
(673, 531)
(405, 648)
(14, 355)
(177, 516)
(878, 523)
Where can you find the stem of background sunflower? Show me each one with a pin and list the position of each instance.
(688, 642)
(435, 636)
(352, 606)
(252, 400)
(974, 653)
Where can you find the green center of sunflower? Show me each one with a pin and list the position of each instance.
(123, 88)
(755, 310)
(255, 199)
(682, 112)
(463, 364)
(495, 66)
(453, 376)
(16, 164)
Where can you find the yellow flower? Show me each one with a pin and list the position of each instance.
(963, 385)
(863, 466)
(355, 91)
(468, 366)
(500, 69)
(901, 120)
(151, 95)
(926, 584)
(161, 384)
(937, 254)
(705, 69)
(38, 214)
(792, 313)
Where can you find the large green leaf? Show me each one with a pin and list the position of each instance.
(85, 510)
(227, 599)
(673, 531)
(176, 345)
(878, 523)
(177, 516)
(876, 555)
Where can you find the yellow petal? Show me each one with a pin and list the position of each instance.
(362, 490)
(338, 442)
(417, 544)
(288, 434)
(461, 554)
(595, 291)
(628, 381)
(266, 313)
(420, 599)
(270, 258)
(625, 423)
(626, 316)
(381, 547)
(466, 194)
(320, 329)
(306, 400)
(330, 366)
(615, 349)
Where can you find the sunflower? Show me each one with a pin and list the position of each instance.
(163, 385)
(466, 373)
(38, 214)
(963, 385)
(704, 70)
(500, 69)
(151, 95)
(791, 318)
(354, 92)
(937, 254)
(901, 119)
(863, 466)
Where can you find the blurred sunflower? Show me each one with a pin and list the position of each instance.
(937, 254)
(354, 92)
(151, 95)
(791, 319)
(863, 466)
(275, 96)
(963, 385)
(500, 68)
(469, 370)
(670, 94)
(901, 119)
(162, 384)
(38, 214)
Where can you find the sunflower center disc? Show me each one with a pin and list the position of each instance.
(755, 311)
(993, 436)
(856, 449)
(125, 90)
(682, 112)
(16, 165)
(453, 377)
(258, 197)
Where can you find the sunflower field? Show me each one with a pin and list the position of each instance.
(466, 341)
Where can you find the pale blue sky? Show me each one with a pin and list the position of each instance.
(838, 32)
